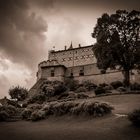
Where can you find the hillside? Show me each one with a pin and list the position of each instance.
(109, 127)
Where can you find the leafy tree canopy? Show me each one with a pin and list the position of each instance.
(18, 93)
(118, 41)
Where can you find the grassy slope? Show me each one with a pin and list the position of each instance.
(123, 104)
(67, 128)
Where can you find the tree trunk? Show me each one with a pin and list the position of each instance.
(127, 78)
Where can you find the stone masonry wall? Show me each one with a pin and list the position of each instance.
(59, 73)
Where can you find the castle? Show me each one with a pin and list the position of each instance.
(78, 63)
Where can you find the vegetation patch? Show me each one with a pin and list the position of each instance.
(18, 93)
(134, 117)
(99, 90)
(94, 109)
(7, 111)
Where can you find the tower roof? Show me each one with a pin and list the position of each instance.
(71, 46)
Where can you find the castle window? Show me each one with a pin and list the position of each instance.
(63, 59)
(83, 57)
(71, 74)
(70, 58)
(52, 73)
(75, 51)
(81, 73)
(76, 58)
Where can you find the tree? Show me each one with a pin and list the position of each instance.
(18, 93)
(118, 42)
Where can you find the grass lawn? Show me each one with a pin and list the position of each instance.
(110, 127)
(123, 104)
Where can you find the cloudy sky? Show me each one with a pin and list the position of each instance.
(29, 28)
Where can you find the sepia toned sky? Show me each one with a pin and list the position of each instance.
(29, 28)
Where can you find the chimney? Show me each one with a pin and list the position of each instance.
(65, 47)
(79, 45)
(54, 48)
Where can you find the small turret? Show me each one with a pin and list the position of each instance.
(79, 45)
(71, 47)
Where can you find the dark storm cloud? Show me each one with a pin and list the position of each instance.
(103, 4)
(42, 3)
(21, 31)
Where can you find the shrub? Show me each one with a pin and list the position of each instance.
(62, 108)
(63, 95)
(26, 114)
(116, 84)
(72, 95)
(71, 84)
(106, 107)
(48, 90)
(24, 104)
(49, 108)
(82, 96)
(134, 117)
(103, 71)
(37, 98)
(99, 90)
(77, 109)
(92, 109)
(121, 89)
(18, 93)
(89, 108)
(9, 109)
(81, 89)
(89, 85)
(109, 87)
(59, 88)
(46, 107)
(135, 86)
(3, 115)
(51, 88)
(34, 107)
(103, 85)
(38, 115)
